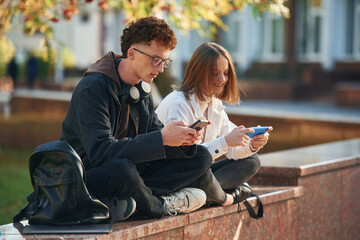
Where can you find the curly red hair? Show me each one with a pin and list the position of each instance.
(145, 30)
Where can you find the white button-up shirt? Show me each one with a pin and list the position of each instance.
(176, 107)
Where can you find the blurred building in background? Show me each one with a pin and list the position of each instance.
(312, 55)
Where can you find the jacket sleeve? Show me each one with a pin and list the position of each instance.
(155, 124)
(96, 132)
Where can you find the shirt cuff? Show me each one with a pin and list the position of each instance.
(254, 150)
(217, 147)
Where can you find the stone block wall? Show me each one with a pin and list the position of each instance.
(318, 198)
(348, 94)
(281, 219)
(329, 175)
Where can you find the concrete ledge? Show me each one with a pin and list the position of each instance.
(5, 103)
(267, 90)
(46, 102)
(323, 203)
(42, 94)
(41, 102)
(298, 125)
(195, 225)
(295, 124)
(287, 167)
(330, 176)
(348, 94)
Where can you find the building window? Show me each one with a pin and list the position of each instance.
(311, 26)
(195, 40)
(272, 45)
(357, 30)
(352, 41)
(232, 37)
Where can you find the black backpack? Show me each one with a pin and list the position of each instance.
(60, 195)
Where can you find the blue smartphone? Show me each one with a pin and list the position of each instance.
(258, 131)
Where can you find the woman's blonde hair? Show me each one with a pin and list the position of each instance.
(199, 68)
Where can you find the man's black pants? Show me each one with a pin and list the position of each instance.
(146, 182)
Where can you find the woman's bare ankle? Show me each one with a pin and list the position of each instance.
(229, 200)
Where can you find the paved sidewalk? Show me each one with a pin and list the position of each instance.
(42, 94)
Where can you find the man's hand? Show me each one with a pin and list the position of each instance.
(177, 134)
(237, 137)
(260, 141)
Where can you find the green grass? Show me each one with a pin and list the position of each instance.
(15, 183)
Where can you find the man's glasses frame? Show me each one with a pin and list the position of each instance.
(156, 61)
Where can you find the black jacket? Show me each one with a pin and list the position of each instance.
(91, 122)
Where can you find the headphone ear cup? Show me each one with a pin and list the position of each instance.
(144, 89)
(134, 94)
(139, 91)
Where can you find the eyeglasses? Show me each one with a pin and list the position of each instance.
(156, 61)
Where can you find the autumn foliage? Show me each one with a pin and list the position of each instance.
(40, 15)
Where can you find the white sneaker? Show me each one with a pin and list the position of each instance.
(184, 201)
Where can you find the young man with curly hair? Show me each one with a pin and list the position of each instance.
(129, 156)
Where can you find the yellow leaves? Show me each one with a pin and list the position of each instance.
(45, 51)
(7, 49)
(193, 14)
(279, 9)
(239, 4)
(70, 8)
(316, 3)
(5, 20)
(69, 58)
(38, 15)
(134, 9)
(104, 5)
(275, 6)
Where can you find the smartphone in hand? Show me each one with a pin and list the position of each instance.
(199, 124)
(258, 131)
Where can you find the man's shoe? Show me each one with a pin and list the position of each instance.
(121, 208)
(241, 193)
(184, 201)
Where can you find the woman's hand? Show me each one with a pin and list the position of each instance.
(237, 136)
(260, 141)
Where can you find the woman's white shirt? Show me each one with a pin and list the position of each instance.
(175, 106)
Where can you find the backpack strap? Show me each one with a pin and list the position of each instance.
(260, 212)
(20, 216)
(24, 213)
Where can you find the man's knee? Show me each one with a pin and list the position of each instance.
(124, 171)
(204, 157)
